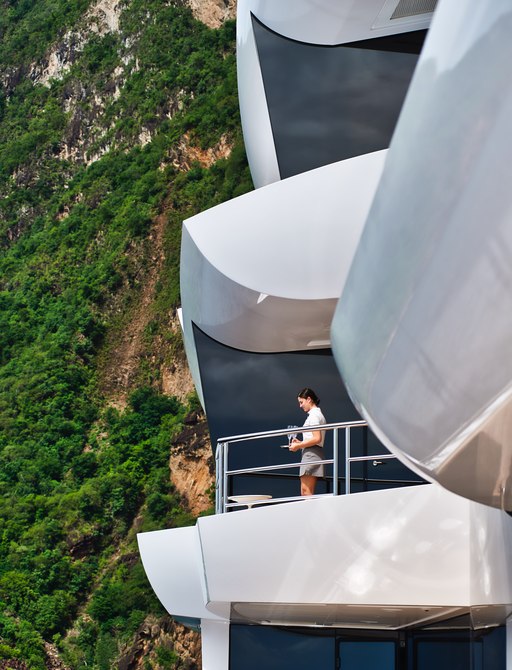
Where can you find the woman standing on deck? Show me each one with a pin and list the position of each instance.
(312, 442)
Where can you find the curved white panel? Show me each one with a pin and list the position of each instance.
(173, 564)
(256, 126)
(263, 272)
(423, 331)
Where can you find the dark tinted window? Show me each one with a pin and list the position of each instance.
(442, 654)
(328, 103)
(368, 655)
(273, 648)
(458, 650)
(266, 648)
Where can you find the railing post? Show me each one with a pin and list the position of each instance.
(347, 460)
(335, 462)
(219, 477)
(224, 475)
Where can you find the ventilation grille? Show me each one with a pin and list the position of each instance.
(407, 8)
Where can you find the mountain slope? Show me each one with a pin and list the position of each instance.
(118, 119)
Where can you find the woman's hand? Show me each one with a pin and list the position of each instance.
(295, 445)
(314, 441)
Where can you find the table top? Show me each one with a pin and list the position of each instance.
(249, 498)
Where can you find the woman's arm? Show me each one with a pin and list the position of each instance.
(312, 442)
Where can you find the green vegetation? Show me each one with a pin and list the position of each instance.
(79, 196)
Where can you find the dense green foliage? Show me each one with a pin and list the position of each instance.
(55, 545)
(79, 194)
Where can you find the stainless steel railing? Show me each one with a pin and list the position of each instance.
(223, 473)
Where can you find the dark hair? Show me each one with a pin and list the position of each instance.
(309, 393)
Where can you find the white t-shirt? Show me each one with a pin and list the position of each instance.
(315, 418)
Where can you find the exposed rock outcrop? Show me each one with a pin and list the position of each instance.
(186, 153)
(12, 664)
(192, 464)
(176, 377)
(162, 635)
(53, 660)
(213, 12)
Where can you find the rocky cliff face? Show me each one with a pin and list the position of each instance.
(88, 137)
(192, 465)
(101, 18)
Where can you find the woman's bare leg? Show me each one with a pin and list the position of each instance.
(307, 485)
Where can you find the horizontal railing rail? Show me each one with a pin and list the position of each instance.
(269, 468)
(232, 439)
(224, 473)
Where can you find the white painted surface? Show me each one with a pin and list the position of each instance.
(491, 548)
(396, 547)
(328, 21)
(286, 224)
(423, 331)
(215, 644)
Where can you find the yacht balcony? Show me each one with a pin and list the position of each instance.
(384, 559)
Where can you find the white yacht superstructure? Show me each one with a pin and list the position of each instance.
(394, 576)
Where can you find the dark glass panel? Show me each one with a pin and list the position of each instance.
(329, 103)
(468, 649)
(274, 648)
(367, 655)
(266, 648)
(488, 649)
(246, 392)
(442, 654)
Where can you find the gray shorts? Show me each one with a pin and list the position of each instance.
(310, 456)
